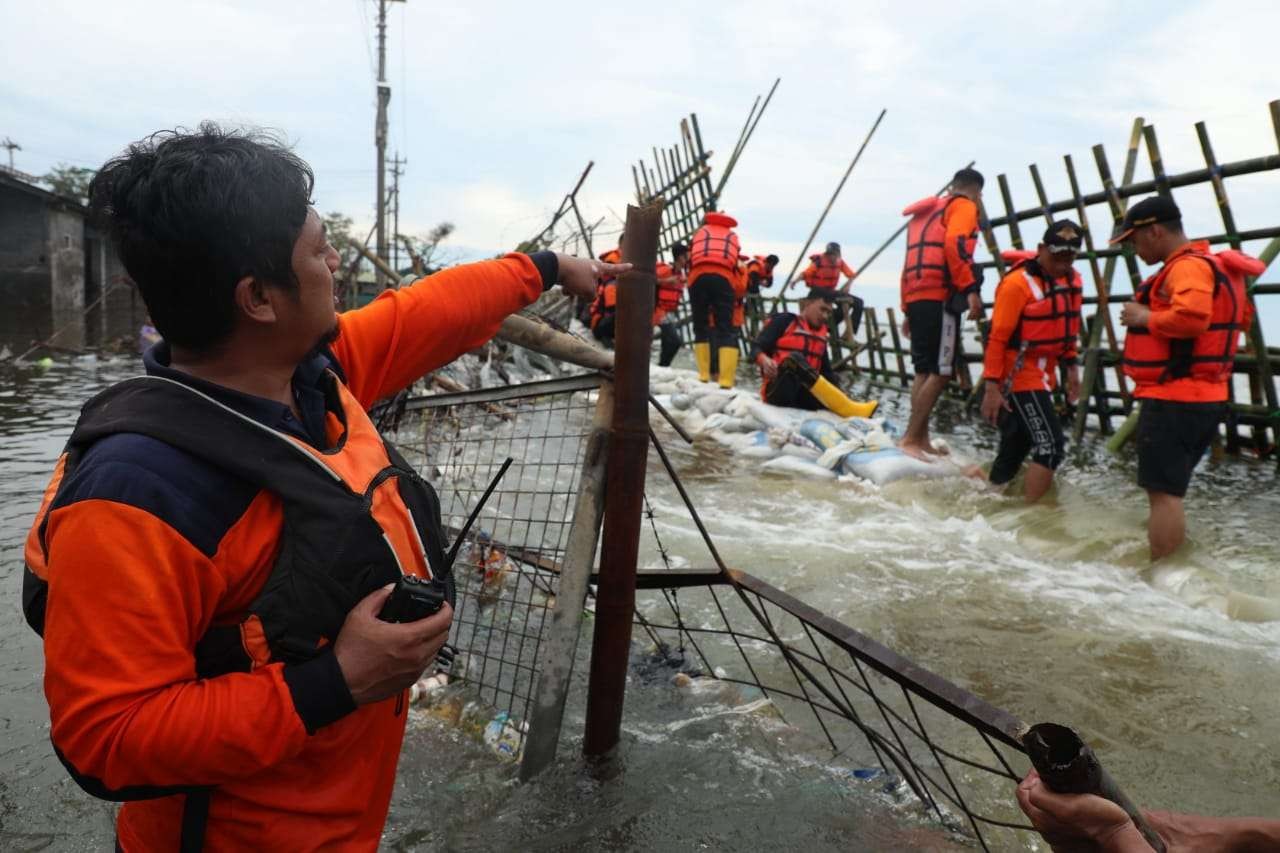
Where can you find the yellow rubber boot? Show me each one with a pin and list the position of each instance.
(728, 366)
(831, 397)
(702, 357)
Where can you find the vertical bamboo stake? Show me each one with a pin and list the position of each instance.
(628, 453)
(561, 644)
(1101, 290)
(897, 346)
(1015, 233)
(1261, 374)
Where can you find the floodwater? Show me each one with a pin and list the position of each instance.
(1050, 612)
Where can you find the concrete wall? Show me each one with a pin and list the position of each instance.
(65, 248)
(25, 296)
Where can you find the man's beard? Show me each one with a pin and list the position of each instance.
(322, 343)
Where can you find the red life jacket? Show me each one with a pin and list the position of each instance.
(715, 243)
(822, 272)
(1150, 359)
(613, 256)
(1050, 322)
(925, 274)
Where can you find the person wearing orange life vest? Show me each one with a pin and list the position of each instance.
(209, 562)
(1035, 326)
(671, 284)
(713, 269)
(824, 270)
(760, 273)
(791, 352)
(1183, 329)
(603, 308)
(938, 277)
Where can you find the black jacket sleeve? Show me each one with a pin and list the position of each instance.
(767, 341)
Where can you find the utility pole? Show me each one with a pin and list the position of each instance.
(12, 146)
(396, 171)
(380, 134)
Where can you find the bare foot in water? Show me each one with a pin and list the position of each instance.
(917, 451)
(974, 471)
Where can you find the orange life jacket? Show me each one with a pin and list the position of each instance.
(1151, 359)
(925, 274)
(758, 267)
(1051, 319)
(716, 244)
(605, 303)
(668, 295)
(800, 337)
(613, 256)
(822, 272)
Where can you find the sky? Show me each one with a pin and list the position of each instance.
(498, 106)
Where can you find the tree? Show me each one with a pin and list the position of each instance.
(422, 250)
(70, 181)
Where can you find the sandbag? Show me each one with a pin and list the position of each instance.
(793, 465)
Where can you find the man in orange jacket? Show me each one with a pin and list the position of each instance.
(671, 285)
(1183, 329)
(937, 277)
(1035, 325)
(214, 654)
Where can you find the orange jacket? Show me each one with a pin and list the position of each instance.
(1020, 292)
(824, 272)
(131, 589)
(714, 248)
(670, 286)
(1199, 307)
(941, 238)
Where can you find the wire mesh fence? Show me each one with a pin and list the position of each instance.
(507, 570)
(875, 713)
(870, 711)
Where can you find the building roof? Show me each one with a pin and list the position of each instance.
(22, 182)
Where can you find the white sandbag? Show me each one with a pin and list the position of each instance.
(710, 404)
(681, 401)
(793, 465)
(728, 423)
(799, 451)
(757, 445)
(885, 466)
(772, 416)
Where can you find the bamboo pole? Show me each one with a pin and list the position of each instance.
(625, 473)
(823, 218)
(743, 138)
(897, 346)
(560, 646)
(541, 338)
(1264, 382)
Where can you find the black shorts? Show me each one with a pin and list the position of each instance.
(1172, 437)
(1032, 429)
(935, 335)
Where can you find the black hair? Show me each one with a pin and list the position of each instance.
(968, 178)
(678, 249)
(195, 211)
(771, 259)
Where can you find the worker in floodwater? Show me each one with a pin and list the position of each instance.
(602, 312)
(713, 261)
(1035, 326)
(1184, 326)
(795, 366)
(939, 279)
(210, 560)
(670, 288)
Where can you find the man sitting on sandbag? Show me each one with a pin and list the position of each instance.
(791, 352)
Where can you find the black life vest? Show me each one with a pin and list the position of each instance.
(356, 516)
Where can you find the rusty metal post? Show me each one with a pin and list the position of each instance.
(624, 483)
